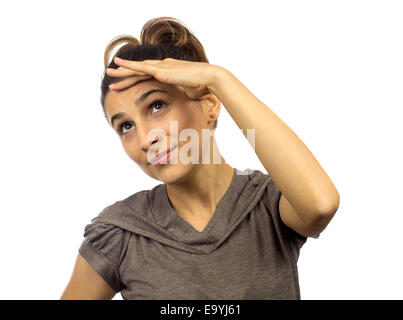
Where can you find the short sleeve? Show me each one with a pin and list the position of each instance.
(103, 248)
(271, 199)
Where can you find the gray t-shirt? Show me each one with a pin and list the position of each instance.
(143, 249)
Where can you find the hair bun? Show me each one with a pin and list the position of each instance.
(171, 32)
(130, 42)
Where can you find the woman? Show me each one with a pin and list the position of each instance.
(209, 231)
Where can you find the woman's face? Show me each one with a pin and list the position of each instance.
(141, 112)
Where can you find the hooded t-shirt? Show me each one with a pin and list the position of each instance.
(143, 249)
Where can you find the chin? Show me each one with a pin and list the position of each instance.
(171, 173)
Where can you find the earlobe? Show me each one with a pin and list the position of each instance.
(211, 106)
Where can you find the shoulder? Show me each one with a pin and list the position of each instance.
(134, 213)
(122, 210)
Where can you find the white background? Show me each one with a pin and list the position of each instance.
(332, 70)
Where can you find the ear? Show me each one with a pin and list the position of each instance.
(211, 107)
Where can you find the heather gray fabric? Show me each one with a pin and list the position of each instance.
(143, 249)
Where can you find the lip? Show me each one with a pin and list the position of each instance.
(164, 155)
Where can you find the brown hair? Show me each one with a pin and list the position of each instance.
(160, 38)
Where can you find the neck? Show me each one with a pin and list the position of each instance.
(203, 189)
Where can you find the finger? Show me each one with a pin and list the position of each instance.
(128, 82)
(152, 61)
(206, 96)
(123, 72)
(181, 88)
(142, 66)
(194, 93)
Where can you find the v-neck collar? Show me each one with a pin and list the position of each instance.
(149, 213)
(214, 217)
(171, 221)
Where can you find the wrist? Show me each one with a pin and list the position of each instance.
(217, 76)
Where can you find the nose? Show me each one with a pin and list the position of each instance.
(142, 136)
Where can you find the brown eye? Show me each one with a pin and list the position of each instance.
(125, 126)
(157, 103)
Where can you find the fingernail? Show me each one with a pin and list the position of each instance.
(111, 86)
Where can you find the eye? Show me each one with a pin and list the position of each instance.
(125, 125)
(157, 102)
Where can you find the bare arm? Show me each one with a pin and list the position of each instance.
(86, 284)
(313, 198)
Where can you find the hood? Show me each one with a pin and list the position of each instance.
(149, 213)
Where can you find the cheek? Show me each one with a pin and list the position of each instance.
(193, 118)
(190, 116)
(131, 150)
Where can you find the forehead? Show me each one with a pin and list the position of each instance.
(115, 101)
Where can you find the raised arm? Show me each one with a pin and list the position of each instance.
(311, 199)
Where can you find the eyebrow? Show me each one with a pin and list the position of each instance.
(137, 103)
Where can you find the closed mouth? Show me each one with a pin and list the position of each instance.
(157, 158)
